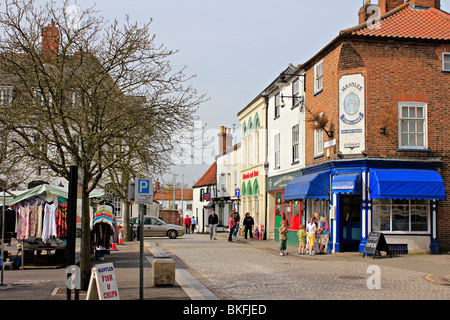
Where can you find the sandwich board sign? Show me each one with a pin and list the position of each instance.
(376, 243)
(143, 191)
(103, 283)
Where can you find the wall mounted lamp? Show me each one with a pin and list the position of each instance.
(282, 83)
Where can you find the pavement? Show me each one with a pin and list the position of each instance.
(49, 284)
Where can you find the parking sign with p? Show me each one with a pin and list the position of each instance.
(144, 191)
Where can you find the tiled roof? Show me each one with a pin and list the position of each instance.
(208, 178)
(168, 194)
(406, 21)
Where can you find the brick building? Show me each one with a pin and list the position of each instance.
(377, 113)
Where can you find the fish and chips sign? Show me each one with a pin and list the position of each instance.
(352, 109)
(103, 283)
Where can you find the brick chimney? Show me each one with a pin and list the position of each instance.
(426, 3)
(225, 139)
(50, 42)
(364, 14)
(388, 5)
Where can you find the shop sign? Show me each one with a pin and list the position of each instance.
(103, 283)
(352, 114)
(250, 175)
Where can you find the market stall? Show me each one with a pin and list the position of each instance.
(40, 225)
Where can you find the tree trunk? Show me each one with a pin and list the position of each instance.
(126, 221)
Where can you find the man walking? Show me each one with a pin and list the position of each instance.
(248, 224)
(213, 220)
(324, 231)
(187, 224)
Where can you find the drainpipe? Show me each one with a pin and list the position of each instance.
(266, 163)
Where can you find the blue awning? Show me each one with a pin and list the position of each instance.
(406, 184)
(310, 186)
(347, 183)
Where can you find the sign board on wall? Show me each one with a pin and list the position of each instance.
(103, 283)
(352, 112)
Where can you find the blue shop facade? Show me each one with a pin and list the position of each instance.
(399, 198)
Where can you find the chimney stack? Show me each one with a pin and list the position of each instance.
(50, 42)
(225, 139)
(426, 3)
(388, 5)
(363, 14)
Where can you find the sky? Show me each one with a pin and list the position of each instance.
(236, 48)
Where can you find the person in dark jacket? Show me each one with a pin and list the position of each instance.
(213, 220)
(248, 224)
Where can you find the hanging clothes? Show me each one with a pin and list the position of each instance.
(33, 219)
(61, 220)
(23, 222)
(101, 235)
(49, 223)
(39, 218)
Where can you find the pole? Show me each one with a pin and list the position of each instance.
(71, 225)
(3, 235)
(141, 251)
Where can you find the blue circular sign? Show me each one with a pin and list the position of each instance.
(351, 104)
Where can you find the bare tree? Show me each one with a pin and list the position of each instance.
(87, 93)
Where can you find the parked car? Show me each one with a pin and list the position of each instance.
(154, 227)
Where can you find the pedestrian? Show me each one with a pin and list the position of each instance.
(193, 223)
(311, 234)
(187, 224)
(301, 239)
(248, 226)
(232, 226)
(213, 220)
(237, 220)
(283, 238)
(324, 233)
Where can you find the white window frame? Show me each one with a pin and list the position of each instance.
(277, 106)
(276, 147)
(6, 92)
(446, 61)
(412, 119)
(295, 143)
(296, 93)
(318, 142)
(318, 76)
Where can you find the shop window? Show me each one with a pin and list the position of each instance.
(278, 209)
(295, 215)
(401, 215)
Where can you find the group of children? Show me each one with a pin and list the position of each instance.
(303, 233)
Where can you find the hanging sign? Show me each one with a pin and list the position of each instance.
(376, 243)
(103, 283)
(352, 112)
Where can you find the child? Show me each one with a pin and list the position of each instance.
(301, 239)
(283, 238)
(256, 233)
(311, 231)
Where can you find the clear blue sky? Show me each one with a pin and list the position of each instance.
(236, 47)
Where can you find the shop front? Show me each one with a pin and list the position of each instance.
(395, 197)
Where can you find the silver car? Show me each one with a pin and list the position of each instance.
(154, 227)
